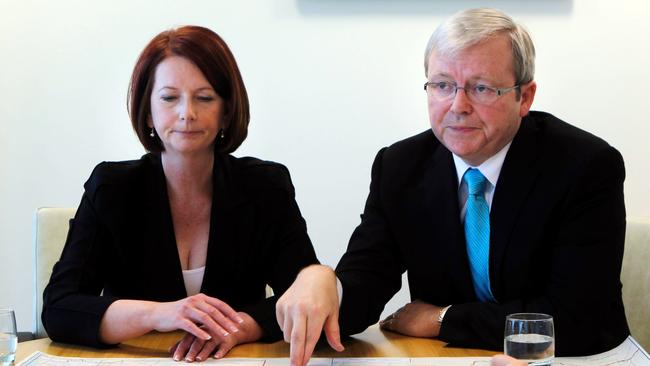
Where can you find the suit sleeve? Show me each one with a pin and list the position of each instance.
(72, 303)
(371, 269)
(292, 250)
(580, 286)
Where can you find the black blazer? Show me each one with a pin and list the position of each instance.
(556, 245)
(122, 242)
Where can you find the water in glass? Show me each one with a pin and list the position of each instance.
(530, 337)
(536, 349)
(8, 343)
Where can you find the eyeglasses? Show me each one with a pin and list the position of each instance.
(477, 93)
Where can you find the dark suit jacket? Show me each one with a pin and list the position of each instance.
(556, 245)
(122, 242)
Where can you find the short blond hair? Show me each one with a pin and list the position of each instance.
(469, 27)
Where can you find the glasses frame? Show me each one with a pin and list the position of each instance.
(499, 91)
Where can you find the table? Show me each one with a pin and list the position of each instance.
(371, 343)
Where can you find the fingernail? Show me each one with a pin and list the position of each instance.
(187, 359)
(234, 329)
(240, 320)
(225, 334)
(208, 337)
(177, 358)
(198, 358)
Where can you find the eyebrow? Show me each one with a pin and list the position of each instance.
(473, 79)
(197, 90)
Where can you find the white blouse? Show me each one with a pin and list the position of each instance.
(193, 279)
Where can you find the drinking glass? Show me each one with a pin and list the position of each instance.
(530, 337)
(8, 337)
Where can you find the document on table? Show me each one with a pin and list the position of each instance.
(629, 353)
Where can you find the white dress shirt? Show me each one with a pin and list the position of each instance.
(491, 169)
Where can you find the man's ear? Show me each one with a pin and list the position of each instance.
(527, 96)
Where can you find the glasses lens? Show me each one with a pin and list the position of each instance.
(440, 90)
(482, 94)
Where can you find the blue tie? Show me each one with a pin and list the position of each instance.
(477, 233)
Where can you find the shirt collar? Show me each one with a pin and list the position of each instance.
(491, 168)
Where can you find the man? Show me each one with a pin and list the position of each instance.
(493, 211)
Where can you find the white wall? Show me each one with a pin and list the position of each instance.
(330, 82)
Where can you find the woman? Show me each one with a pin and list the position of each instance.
(188, 236)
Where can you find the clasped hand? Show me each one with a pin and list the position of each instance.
(191, 348)
(210, 323)
(416, 319)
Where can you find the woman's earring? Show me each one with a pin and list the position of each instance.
(152, 134)
(222, 134)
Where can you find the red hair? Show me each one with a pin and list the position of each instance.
(213, 57)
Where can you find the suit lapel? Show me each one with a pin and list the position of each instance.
(517, 178)
(441, 195)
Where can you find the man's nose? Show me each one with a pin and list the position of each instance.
(461, 103)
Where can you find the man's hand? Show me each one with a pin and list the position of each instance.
(417, 319)
(309, 306)
(503, 360)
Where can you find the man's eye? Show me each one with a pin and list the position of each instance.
(482, 89)
(443, 85)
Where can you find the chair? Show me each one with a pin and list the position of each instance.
(635, 277)
(50, 231)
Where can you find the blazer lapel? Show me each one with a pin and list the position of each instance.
(226, 221)
(441, 195)
(161, 250)
(517, 178)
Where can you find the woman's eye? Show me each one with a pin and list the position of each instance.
(205, 98)
(168, 98)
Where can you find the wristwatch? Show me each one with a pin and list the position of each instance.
(441, 314)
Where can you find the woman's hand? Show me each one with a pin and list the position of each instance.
(191, 348)
(203, 316)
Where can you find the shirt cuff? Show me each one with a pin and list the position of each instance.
(339, 290)
(441, 314)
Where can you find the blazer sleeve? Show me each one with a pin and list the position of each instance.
(371, 269)
(291, 251)
(72, 302)
(581, 289)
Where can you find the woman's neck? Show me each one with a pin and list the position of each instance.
(188, 174)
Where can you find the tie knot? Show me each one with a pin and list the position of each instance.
(475, 181)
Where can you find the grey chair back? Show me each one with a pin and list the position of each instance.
(51, 226)
(635, 277)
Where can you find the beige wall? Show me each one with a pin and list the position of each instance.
(330, 82)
